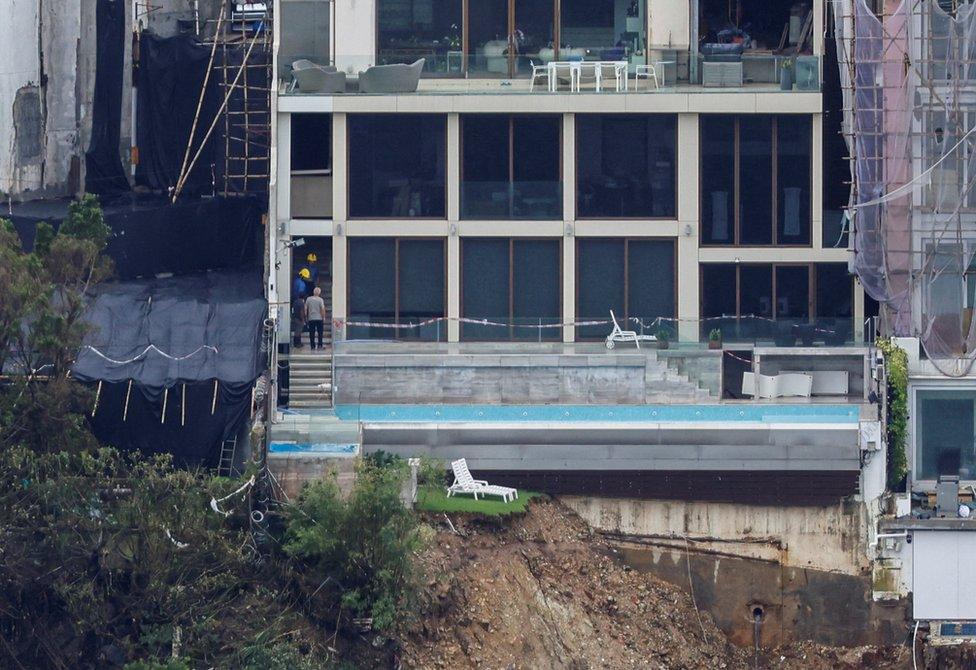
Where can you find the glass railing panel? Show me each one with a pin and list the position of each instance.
(522, 200)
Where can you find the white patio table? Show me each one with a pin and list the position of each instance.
(576, 68)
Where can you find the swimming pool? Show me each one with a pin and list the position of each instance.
(314, 448)
(598, 413)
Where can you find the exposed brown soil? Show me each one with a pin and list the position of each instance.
(543, 591)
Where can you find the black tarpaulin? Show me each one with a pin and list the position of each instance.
(191, 347)
(172, 72)
(104, 171)
(162, 332)
(151, 236)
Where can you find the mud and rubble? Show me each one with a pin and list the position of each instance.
(543, 590)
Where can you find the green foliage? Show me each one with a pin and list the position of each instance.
(896, 363)
(86, 222)
(43, 238)
(663, 335)
(104, 556)
(42, 328)
(432, 472)
(715, 335)
(357, 554)
(435, 500)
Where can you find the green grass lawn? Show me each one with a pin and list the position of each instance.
(430, 499)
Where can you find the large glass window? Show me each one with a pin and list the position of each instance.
(608, 30)
(396, 282)
(633, 277)
(626, 166)
(763, 301)
(311, 166)
(410, 29)
(945, 447)
(515, 282)
(510, 167)
(755, 179)
(504, 38)
(396, 165)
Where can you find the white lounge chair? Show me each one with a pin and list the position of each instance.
(465, 483)
(620, 335)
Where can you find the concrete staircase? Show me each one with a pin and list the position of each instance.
(309, 370)
(666, 383)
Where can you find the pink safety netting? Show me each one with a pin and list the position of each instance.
(908, 74)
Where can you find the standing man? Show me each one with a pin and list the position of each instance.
(297, 320)
(315, 317)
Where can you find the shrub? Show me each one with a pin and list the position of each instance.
(357, 553)
(896, 361)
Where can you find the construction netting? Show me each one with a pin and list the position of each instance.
(908, 73)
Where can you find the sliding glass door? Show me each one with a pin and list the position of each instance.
(504, 38)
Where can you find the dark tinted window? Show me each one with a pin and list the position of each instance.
(625, 166)
(396, 165)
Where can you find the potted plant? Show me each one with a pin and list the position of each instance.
(786, 75)
(715, 339)
(662, 336)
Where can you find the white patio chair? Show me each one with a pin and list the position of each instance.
(465, 483)
(618, 334)
(540, 72)
(648, 72)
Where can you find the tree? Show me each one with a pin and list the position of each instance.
(42, 328)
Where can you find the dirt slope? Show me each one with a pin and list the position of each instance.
(543, 591)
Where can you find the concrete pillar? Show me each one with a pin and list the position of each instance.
(340, 308)
(453, 286)
(340, 169)
(340, 215)
(816, 158)
(858, 310)
(689, 226)
(283, 169)
(453, 216)
(569, 287)
(569, 225)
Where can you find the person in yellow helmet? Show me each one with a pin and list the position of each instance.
(302, 285)
(310, 264)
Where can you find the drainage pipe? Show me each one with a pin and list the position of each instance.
(883, 536)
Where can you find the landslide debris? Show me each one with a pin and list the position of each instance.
(542, 590)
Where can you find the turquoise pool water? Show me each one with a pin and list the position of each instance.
(312, 448)
(595, 413)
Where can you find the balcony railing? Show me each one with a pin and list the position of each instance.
(732, 332)
(676, 71)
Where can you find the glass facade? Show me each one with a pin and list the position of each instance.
(396, 282)
(504, 38)
(511, 167)
(783, 303)
(633, 277)
(514, 282)
(626, 166)
(945, 447)
(756, 179)
(397, 165)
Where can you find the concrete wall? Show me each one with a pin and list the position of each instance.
(533, 377)
(355, 35)
(806, 568)
(46, 82)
